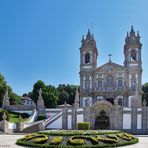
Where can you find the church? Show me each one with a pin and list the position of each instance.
(110, 94)
(110, 80)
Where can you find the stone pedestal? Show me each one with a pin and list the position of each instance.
(65, 118)
(74, 120)
(4, 126)
(19, 126)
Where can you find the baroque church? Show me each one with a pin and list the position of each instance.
(110, 94)
(110, 80)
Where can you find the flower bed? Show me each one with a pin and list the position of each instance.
(76, 138)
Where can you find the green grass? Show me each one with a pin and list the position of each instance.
(14, 117)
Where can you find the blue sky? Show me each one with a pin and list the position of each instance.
(40, 39)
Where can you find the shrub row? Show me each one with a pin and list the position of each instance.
(78, 132)
(83, 126)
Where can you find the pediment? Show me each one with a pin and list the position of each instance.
(110, 66)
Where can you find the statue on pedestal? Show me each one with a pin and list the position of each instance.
(76, 103)
(40, 102)
(6, 101)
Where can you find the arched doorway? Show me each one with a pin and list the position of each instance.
(102, 121)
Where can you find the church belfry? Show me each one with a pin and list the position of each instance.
(88, 63)
(88, 51)
(132, 49)
(133, 63)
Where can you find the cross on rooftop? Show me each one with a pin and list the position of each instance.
(110, 57)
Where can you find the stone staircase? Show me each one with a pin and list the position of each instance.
(36, 126)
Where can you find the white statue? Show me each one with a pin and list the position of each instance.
(6, 101)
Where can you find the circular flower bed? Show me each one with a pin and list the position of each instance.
(77, 138)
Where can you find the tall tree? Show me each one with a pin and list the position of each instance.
(49, 93)
(3, 86)
(34, 94)
(66, 93)
(145, 92)
(14, 98)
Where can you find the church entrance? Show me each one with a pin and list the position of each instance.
(102, 121)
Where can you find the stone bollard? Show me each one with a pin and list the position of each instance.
(19, 125)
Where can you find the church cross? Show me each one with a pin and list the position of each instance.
(110, 57)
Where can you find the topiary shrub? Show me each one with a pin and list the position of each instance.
(75, 141)
(1, 114)
(106, 140)
(125, 136)
(56, 140)
(40, 140)
(41, 117)
(83, 126)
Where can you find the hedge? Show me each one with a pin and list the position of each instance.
(77, 141)
(83, 126)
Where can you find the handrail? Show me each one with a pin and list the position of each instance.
(52, 118)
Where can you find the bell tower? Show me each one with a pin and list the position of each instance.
(88, 64)
(133, 63)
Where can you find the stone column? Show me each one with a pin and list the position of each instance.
(74, 119)
(19, 125)
(92, 119)
(134, 119)
(87, 114)
(144, 120)
(65, 118)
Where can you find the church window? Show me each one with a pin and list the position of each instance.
(133, 83)
(133, 55)
(120, 83)
(87, 102)
(87, 83)
(110, 81)
(99, 83)
(120, 101)
(87, 58)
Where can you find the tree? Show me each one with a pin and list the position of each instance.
(50, 94)
(34, 94)
(66, 93)
(14, 98)
(145, 92)
(2, 88)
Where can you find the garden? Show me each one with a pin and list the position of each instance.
(77, 138)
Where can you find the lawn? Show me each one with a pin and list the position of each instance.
(14, 117)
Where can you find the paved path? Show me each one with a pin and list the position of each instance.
(143, 142)
(8, 141)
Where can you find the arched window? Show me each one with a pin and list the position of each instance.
(99, 83)
(109, 81)
(120, 83)
(133, 56)
(87, 58)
